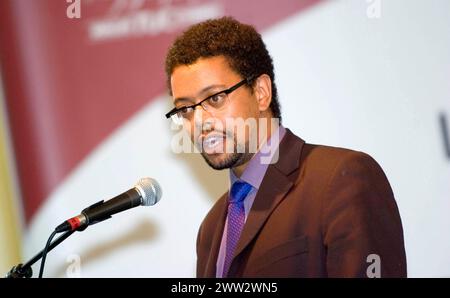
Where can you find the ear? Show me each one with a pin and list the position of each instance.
(263, 92)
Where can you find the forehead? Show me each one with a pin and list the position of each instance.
(186, 80)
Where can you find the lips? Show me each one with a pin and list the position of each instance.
(213, 143)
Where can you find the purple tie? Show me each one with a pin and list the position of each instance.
(236, 219)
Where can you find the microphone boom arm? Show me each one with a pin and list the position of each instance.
(25, 271)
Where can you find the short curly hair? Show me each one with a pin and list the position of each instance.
(239, 43)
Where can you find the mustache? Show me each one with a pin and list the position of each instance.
(222, 132)
(208, 129)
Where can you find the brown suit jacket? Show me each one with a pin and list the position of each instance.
(319, 212)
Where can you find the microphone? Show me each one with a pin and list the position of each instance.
(146, 192)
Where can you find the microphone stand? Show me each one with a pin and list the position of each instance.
(25, 271)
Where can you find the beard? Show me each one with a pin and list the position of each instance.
(239, 155)
(226, 160)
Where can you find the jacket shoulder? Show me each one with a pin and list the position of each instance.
(325, 159)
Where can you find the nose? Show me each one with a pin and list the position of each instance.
(203, 120)
(201, 113)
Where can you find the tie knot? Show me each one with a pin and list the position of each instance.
(239, 191)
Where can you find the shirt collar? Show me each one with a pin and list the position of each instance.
(257, 166)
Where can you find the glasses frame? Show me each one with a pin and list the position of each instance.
(226, 91)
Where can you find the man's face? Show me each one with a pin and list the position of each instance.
(210, 130)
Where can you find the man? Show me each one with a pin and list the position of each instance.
(293, 209)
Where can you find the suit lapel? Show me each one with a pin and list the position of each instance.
(210, 270)
(268, 197)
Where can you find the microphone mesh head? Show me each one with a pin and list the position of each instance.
(150, 191)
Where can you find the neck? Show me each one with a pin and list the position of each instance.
(238, 170)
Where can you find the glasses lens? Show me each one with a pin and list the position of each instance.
(216, 101)
(177, 119)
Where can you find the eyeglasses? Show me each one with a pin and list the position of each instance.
(213, 102)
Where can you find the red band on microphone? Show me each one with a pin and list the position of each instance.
(74, 222)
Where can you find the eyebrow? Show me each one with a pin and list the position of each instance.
(203, 91)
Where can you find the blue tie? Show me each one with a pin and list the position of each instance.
(236, 219)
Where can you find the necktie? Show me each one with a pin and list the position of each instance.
(236, 219)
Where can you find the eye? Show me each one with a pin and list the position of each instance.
(184, 110)
(217, 99)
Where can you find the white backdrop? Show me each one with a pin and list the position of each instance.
(372, 82)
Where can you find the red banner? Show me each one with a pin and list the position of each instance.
(71, 81)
